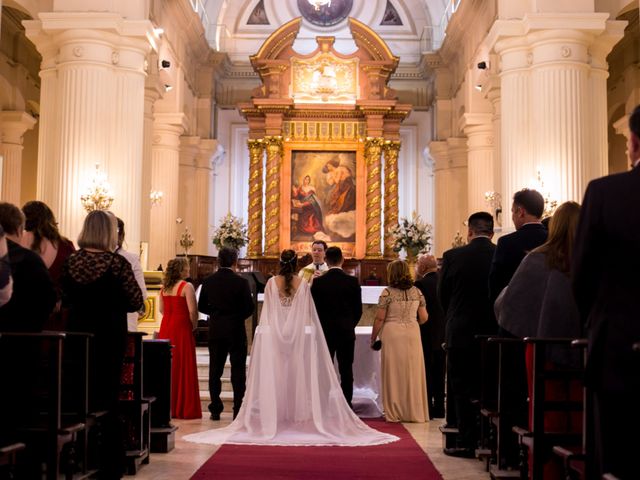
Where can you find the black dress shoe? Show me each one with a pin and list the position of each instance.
(460, 452)
(215, 416)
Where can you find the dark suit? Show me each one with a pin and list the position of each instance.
(464, 295)
(432, 336)
(338, 299)
(33, 296)
(226, 297)
(606, 282)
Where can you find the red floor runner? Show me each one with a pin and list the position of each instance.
(399, 460)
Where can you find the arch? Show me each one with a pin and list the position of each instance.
(279, 40)
(369, 41)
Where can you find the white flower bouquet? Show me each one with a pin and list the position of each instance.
(413, 235)
(230, 233)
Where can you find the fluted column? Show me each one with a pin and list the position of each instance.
(391, 151)
(451, 191)
(494, 96)
(373, 160)
(516, 162)
(92, 112)
(165, 171)
(274, 148)
(256, 167)
(13, 125)
(187, 200)
(480, 146)
(201, 237)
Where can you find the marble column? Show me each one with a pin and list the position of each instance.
(478, 128)
(450, 169)
(92, 107)
(373, 164)
(165, 171)
(256, 168)
(13, 125)
(187, 198)
(391, 151)
(203, 178)
(274, 149)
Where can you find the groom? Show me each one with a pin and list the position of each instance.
(338, 300)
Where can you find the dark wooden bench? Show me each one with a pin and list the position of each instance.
(9, 460)
(135, 408)
(31, 366)
(538, 439)
(157, 384)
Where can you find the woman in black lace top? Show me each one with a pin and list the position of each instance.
(99, 288)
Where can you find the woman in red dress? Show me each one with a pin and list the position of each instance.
(180, 317)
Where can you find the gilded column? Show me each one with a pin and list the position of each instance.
(273, 146)
(12, 128)
(391, 150)
(256, 160)
(373, 159)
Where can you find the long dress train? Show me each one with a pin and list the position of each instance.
(293, 395)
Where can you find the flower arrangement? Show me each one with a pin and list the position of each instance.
(413, 235)
(230, 233)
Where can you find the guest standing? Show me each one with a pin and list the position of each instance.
(33, 297)
(338, 300)
(6, 282)
(43, 237)
(179, 310)
(134, 261)
(606, 285)
(226, 297)
(404, 386)
(432, 334)
(464, 295)
(99, 288)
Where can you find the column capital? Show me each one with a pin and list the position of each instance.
(13, 125)
(621, 126)
(469, 120)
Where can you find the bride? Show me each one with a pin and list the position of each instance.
(293, 395)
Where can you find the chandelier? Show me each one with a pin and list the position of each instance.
(98, 194)
(319, 3)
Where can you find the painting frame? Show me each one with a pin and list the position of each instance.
(354, 249)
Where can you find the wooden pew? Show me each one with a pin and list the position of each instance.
(499, 414)
(157, 384)
(135, 408)
(31, 365)
(488, 401)
(9, 461)
(538, 439)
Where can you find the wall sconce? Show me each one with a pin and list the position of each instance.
(478, 87)
(156, 197)
(550, 204)
(494, 200)
(167, 87)
(97, 194)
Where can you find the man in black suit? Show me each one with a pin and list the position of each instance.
(226, 298)
(526, 213)
(432, 334)
(464, 295)
(606, 283)
(338, 300)
(33, 297)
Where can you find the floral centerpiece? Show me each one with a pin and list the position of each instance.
(230, 233)
(413, 235)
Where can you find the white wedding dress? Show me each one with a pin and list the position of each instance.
(293, 395)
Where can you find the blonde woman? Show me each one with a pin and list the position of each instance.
(179, 308)
(400, 307)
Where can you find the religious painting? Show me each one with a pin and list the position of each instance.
(323, 196)
(326, 12)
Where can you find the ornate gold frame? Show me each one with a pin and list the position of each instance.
(355, 250)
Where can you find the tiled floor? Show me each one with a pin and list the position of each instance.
(186, 458)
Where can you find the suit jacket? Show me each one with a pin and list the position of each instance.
(464, 293)
(33, 295)
(433, 329)
(338, 299)
(606, 279)
(226, 297)
(510, 251)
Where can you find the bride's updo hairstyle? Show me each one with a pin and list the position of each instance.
(399, 275)
(288, 264)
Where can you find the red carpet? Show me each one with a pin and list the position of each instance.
(399, 460)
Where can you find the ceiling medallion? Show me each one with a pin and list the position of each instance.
(325, 13)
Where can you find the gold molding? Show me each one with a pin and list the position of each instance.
(373, 159)
(254, 231)
(274, 148)
(391, 151)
